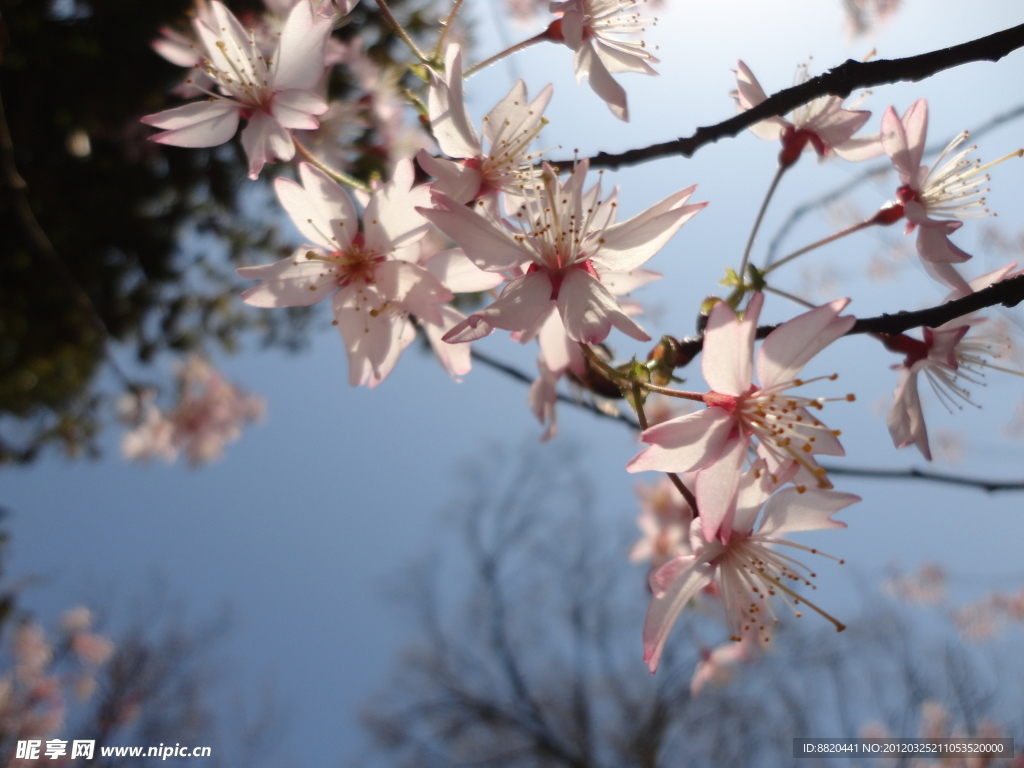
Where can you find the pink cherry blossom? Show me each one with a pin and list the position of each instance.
(374, 290)
(935, 200)
(821, 123)
(714, 442)
(274, 94)
(664, 523)
(209, 413)
(561, 240)
(949, 360)
(602, 33)
(748, 570)
(509, 129)
(717, 666)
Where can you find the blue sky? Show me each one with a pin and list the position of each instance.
(313, 511)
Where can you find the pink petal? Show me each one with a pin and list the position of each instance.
(456, 180)
(292, 282)
(264, 139)
(459, 274)
(590, 66)
(486, 245)
(729, 347)
(455, 358)
(589, 311)
(295, 109)
(392, 217)
(630, 243)
(716, 488)
(320, 209)
(933, 244)
(623, 283)
(416, 289)
(373, 342)
(663, 611)
(749, 94)
(789, 510)
(200, 124)
(448, 119)
(520, 307)
(790, 346)
(685, 443)
(906, 418)
(299, 62)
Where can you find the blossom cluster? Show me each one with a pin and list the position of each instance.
(472, 231)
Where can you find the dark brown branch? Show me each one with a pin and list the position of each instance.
(989, 486)
(839, 81)
(1007, 293)
(525, 378)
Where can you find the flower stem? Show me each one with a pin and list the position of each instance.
(400, 31)
(503, 54)
(338, 176)
(439, 50)
(696, 396)
(607, 370)
(789, 296)
(676, 481)
(760, 216)
(819, 243)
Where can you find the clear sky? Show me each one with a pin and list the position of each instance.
(308, 516)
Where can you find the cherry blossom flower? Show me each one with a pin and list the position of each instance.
(717, 666)
(948, 360)
(935, 200)
(822, 123)
(374, 290)
(274, 94)
(509, 129)
(209, 413)
(748, 570)
(664, 523)
(714, 441)
(601, 33)
(563, 238)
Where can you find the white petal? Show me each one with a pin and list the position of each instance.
(418, 291)
(200, 124)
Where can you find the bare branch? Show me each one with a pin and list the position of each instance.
(838, 81)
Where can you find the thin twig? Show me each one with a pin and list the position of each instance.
(911, 473)
(839, 81)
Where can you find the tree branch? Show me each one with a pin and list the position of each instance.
(838, 81)
(1007, 293)
(912, 473)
